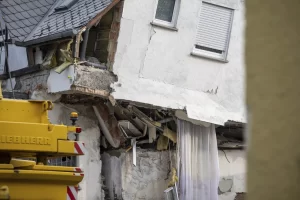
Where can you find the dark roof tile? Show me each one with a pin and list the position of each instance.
(30, 5)
(11, 3)
(18, 2)
(24, 17)
(44, 9)
(21, 17)
(12, 17)
(37, 4)
(25, 7)
(21, 31)
(20, 24)
(14, 32)
(32, 13)
(18, 8)
(26, 22)
(32, 20)
(38, 11)
(12, 10)
(25, 14)
(13, 25)
(5, 3)
(27, 30)
(43, 2)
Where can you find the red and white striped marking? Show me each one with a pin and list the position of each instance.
(78, 174)
(72, 192)
(79, 148)
(78, 169)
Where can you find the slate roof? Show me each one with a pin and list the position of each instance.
(22, 16)
(33, 19)
(77, 16)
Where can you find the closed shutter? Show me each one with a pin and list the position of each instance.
(214, 26)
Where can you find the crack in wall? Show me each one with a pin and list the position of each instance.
(151, 33)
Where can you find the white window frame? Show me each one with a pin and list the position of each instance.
(166, 24)
(209, 54)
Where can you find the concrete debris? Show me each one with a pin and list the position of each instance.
(128, 129)
(230, 143)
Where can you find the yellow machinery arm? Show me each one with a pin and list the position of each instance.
(25, 131)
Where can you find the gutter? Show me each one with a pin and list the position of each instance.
(65, 34)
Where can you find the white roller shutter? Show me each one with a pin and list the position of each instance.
(214, 26)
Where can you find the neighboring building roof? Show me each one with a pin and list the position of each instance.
(29, 20)
(75, 17)
(22, 16)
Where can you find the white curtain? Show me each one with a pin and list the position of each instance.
(198, 162)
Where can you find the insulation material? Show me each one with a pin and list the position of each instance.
(199, 166)
(170, 134)
(162, 143)
(50, 58)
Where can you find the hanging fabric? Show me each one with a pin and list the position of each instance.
(198, 162)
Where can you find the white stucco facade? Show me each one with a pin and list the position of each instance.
(154, 65)
(17, 58)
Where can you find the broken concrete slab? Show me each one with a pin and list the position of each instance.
(81, 79)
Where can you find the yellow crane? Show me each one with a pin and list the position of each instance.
(26, 132)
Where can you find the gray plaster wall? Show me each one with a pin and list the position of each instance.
(147, 180)
(27, 83)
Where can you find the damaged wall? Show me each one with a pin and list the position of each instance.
(232, 174)
(147, 179)
(154, 64)
(27, 83)
(90, 135)
(81, 79)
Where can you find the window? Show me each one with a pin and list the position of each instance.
(213, 33)
(166, 13)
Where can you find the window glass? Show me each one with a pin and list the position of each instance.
(165, 9)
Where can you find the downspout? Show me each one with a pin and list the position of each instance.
(84, 45)
(104, 129)
(93, 22)
(83, 51)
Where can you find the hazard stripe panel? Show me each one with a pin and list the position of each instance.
(71, 147)
(72, 192)
(79, 148)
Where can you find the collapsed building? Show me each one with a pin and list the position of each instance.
(146, 119)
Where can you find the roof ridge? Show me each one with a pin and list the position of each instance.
(42, 20)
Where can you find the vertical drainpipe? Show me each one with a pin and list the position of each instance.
(84, 45)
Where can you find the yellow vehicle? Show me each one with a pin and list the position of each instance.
(25, 132)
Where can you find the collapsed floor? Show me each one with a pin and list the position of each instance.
(136, 144)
